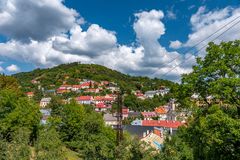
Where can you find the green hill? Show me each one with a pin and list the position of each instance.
(71, 73)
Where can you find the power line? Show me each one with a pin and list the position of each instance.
(193, 47)
(200, 49)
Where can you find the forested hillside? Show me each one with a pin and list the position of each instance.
(71, 73)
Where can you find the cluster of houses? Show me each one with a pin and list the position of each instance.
(150, 94)
(150, 126)
(88, 86)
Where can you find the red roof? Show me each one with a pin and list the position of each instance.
(101, 105)
(125, 110)
(85, 84)
(61, 90)
(29, 93)
(139, 94)
(102, 98)
(162, 123)
(149, 114)
(105, 82)
(84, 98)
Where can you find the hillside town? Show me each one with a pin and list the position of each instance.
(151, 126)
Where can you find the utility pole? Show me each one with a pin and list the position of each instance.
(119, 119)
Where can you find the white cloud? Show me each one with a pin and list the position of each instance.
(149, 29)
(40, 54)
(175, 44)
(91, 42)
(35, 19)
(13, 68)
(94, 45)
(171, 14)
(204, 23)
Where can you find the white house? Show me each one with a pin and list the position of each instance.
(84, 99)
(44, 102)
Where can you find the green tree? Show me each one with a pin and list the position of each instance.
(217, 74)
(84, 131)
(48, 145)
(17, 112)
(18, 147)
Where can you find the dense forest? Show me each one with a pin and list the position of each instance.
(75, 132)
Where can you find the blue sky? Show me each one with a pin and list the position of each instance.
(132, 36)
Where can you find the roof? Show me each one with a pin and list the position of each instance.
(139, 94)
(125, 110)
(148, 114)
(48, 99)
(162, 123)
(154, 140)
(29, 93)
(101, 105)
(151, 92)
(161, 110)
(137, 130)
(84, 84)
(109, 117)
(84, 98)
(103, 98)
(133, 114)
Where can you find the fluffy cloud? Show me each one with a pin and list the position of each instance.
(205, 23)
(39, 53)
(175, 44)
(13, 68)
(149, 29)
(46, 43)
(35, 19)
(91, 42)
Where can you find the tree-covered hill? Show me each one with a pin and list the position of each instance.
(71, 73)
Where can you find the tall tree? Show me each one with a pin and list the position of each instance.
(217, 74)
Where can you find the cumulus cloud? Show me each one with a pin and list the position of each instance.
(91, 42)
(13, 68)
(38, 20)
(205, 22)
(149, 29)
(46, 43)
(39, 53)
(175, 44)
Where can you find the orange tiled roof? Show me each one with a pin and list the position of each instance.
(161, 110)
(84, 98)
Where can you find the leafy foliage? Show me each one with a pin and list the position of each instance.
(217, 74)
(84, 131)
(71, 73)
(48, 145)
